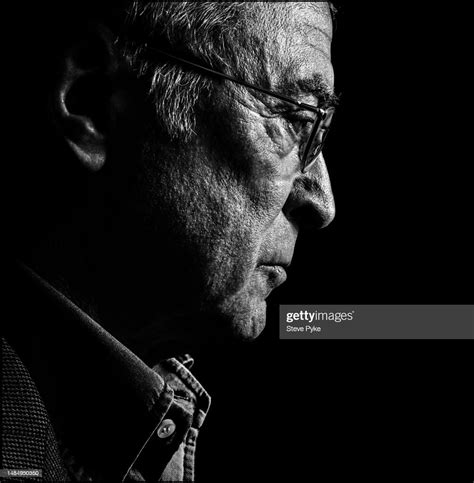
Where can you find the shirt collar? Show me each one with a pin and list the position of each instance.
(105, 402)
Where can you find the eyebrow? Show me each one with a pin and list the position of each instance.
(314, 85)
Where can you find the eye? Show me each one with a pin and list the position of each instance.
(300, 123)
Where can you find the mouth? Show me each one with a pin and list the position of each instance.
(275, 273)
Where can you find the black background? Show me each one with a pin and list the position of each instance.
(399, 159)
(399, 163)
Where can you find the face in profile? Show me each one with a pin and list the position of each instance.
(206, 228)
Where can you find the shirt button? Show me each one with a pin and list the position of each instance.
(166, 429)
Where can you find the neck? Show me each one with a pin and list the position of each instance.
(74, 263)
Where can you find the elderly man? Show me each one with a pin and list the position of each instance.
(180, 156)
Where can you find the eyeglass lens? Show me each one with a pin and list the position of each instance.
(316, 139)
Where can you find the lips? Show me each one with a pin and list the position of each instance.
(276, 274)
(276, 262)
(277, 266)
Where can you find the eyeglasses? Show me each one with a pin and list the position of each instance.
(313, 146)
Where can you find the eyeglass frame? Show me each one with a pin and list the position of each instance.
(317, 129)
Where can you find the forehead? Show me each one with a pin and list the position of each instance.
(295, 39)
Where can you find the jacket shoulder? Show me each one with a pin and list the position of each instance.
(28, 438)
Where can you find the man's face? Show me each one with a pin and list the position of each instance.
(221, 215)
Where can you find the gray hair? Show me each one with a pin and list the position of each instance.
(211, 32)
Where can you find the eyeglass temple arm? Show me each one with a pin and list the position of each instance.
(237, 81)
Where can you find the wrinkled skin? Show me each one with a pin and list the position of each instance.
(186, 242)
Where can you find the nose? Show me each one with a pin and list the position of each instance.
(310, 204)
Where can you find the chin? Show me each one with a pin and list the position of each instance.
(243, 318)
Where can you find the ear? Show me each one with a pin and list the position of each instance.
(82, 100)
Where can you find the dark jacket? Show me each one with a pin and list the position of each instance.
(78, 405)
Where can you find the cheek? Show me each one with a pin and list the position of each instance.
(230, 224)
(231, 190)
(274, 165)
(275, 139)
(262, 161)
(245, 219)
(211, 221)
